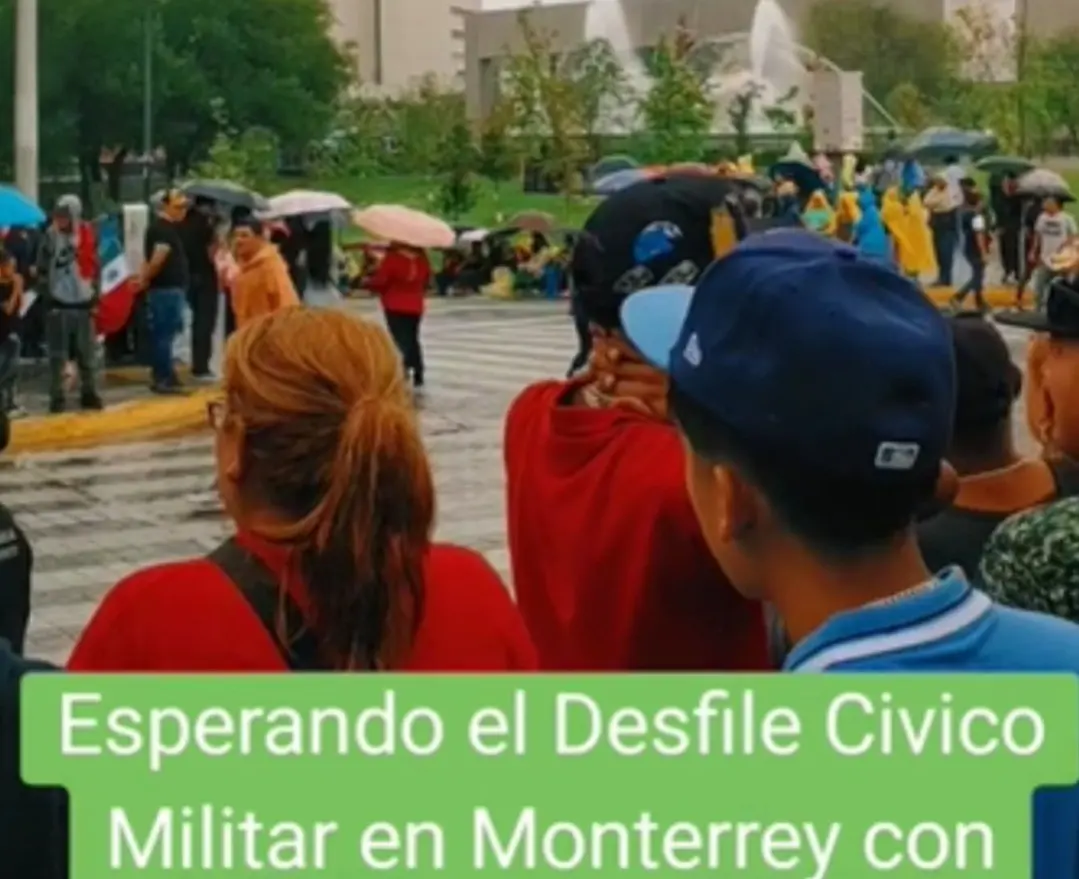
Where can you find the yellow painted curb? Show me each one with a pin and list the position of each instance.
(997, 297)
(137, 421)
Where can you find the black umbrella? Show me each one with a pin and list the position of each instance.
(937, 144)
(226, 193)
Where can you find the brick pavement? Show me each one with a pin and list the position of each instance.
(94, 517)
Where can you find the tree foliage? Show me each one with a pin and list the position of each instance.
(459, 160)
(546, 106)
(602, 89)
(677, 111)
(890, 47)
(264, 65)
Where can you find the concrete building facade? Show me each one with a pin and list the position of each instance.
(490, 34)
(399, 42)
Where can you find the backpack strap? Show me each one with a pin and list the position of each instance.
(263, 593)
(1066, 476)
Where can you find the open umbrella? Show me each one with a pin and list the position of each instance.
(17, 210)
(692, 168)
(797, 167)
(619, 180)
(306, 202)
(405, 225)
(1043, 183)
(751, 181)
(226, 193)
(533, 221)
(473, 236)
(1004, 165)
(610, 165)
(937, 144)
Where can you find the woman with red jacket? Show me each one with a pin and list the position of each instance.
(321, 466)
(401, 281)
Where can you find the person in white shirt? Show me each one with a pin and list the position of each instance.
(1052, 231)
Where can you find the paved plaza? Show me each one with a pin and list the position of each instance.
(95, 516)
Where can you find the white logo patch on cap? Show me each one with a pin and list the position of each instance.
(692, 351)
(897, 456)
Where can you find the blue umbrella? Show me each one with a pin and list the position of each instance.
(936, 144)
(619, 180)
(17, 210)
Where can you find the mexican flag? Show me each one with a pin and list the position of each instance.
(119, 288)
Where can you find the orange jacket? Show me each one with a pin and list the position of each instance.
(262, 286)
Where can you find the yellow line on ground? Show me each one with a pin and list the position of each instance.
(996, 297)
(137, 421)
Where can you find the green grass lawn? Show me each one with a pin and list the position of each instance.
(494, 205)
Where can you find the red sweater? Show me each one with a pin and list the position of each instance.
(609, 565)
(189, 617)
(401, 281)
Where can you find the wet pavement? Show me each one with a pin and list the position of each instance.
(94, 517)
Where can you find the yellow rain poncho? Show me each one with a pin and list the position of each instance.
(745, 165)
(909, 228)
(925, 257)
(848, 171)
(818, 215)
(847, 215)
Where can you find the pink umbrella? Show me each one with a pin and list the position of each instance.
(404, 225)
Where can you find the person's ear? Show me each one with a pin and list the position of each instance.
(233, 451)
(737, 511)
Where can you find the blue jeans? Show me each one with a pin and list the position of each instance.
(975, 285)
(166, 307)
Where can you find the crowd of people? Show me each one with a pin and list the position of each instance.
(927, 222)
(784, 459)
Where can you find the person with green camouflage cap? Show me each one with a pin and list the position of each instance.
(1032, 560)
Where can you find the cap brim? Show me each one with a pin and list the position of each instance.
(652, 320)
(1027, 320)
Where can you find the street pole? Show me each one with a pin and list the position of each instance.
(147, 99)
(26, 99)
(1020, 72)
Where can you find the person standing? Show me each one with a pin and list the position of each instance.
(808, 497)
(944, 226)
(263, 284)
(1052, 230)
(11, 297)
(197, 231)
(975, 231)
(1009, 217)
(69, 273)
(400, 282)
(166, 278)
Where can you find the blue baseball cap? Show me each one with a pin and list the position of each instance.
(818, 353)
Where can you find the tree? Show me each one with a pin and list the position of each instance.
(677, 110)
(909, 106)
(603, 91)
(545, 106)
(423, 117)
(890, 47)
(498, 153)
(458, 164)
(245, 157)
(1053, 108)
(271, 66)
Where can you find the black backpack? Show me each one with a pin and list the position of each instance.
(260, 587)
